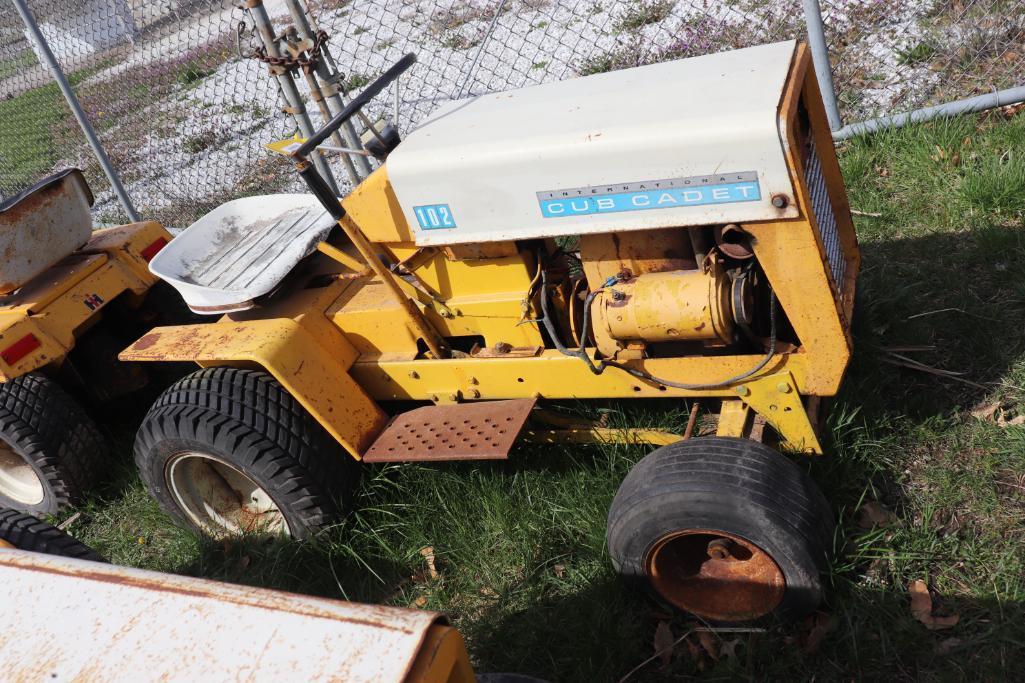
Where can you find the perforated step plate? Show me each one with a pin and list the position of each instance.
(462, 431)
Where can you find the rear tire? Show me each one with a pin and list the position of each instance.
(25, 532)
(49, 448)
(228, 451)
(727, 529)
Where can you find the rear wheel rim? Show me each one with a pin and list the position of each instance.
(715, 575)
(220, 499)
(18, 481)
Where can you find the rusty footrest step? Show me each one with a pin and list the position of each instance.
(462, 431)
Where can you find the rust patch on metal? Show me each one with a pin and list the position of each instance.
(147, 341)
(508, 351)
(466, 431)
(715, 575)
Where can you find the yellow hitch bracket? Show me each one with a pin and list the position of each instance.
(319, 380)
(734, 419)
(775, 397)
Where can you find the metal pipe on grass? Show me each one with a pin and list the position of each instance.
(76, 109)
(992, 100)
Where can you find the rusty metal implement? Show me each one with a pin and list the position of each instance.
(73, 620)
(463, 431)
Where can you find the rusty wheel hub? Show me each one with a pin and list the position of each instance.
(18, 481)
(715, 575)
(219, 498)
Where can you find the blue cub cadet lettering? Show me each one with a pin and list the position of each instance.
(726, 188)
(434, 217)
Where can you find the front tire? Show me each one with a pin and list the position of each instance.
(229, 451)
(726, 529)
(49, 448)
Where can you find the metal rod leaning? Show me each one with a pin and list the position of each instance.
(336, 103)
(820, 57)
(288, 89)
(76, 109)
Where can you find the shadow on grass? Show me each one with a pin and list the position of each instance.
(604, 631)
(954, 302)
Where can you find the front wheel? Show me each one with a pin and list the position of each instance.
(230, 451)
(726, 529)
(50, 450)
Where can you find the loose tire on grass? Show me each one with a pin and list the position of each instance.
(228, 451)
(49, 448)
(727, 529)
(25, 532)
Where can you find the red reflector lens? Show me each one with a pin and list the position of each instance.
(19, 349)
(149, 252)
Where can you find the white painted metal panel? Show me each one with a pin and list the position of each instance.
(688, 142)
(72, 620)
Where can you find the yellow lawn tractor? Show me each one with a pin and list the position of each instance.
(678, 230)
(67, 295)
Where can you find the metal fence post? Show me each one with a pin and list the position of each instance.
(325, 69)
(288, 89)
(820, 56)
(76, 109)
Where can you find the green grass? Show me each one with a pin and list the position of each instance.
(642, 13)
(18, 63)
(27, 134)
(520, 545)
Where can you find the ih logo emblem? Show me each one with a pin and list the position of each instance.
(93, 301)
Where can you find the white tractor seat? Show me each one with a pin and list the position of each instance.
(241, 250)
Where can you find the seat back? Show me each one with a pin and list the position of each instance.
(42, 225)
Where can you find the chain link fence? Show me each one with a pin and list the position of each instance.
(184, 110)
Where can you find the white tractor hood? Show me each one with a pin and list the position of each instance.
(689, 142)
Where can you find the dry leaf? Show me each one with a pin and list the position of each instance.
(428, 555)
(707, 641)
(693, 649)
(664, 641)
(559, 569)
(986, 412)
(822, 624)
(921, 608)
(1012, 110)
(729, 648)
(419, 602)
(1016, 421)
(873, 514)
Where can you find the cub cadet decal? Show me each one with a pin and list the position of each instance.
(725, 188)
(93, 301)
(434, 217)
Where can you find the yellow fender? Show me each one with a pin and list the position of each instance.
(319, 380)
